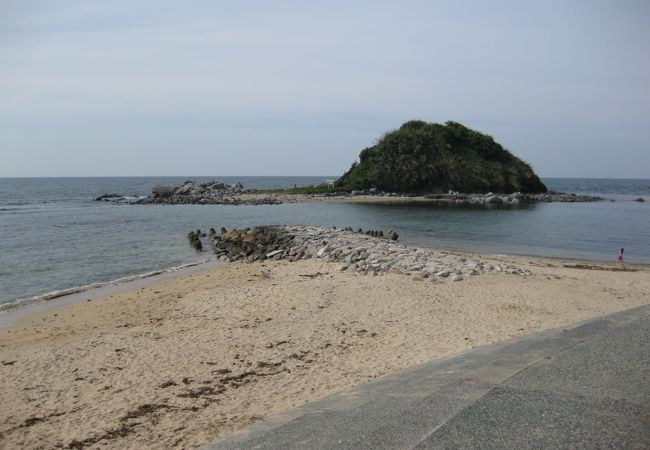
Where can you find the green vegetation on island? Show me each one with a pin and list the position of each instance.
(423, 157)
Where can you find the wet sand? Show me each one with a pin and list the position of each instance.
(179, 362)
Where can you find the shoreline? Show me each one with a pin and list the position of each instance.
(181, 361)
(220, 193)
(19, 308)
(16, 309)
(253, 198)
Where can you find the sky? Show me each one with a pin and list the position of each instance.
(136, 88)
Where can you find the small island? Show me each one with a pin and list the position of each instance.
(422, 157)
(420, 162)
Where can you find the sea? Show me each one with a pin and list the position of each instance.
(54, 237)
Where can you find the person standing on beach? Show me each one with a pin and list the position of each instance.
(619, 258)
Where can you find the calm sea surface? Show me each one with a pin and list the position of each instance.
(54, 236)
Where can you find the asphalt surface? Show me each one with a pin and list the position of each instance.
(582, 387)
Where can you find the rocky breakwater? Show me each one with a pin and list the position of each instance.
(562, 197)
(514, 199)
(204, 193)
(364, 253)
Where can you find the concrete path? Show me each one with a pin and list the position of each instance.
(583, 387)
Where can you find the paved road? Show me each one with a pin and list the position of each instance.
(584, 387)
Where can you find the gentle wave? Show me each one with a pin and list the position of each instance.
(76, 289)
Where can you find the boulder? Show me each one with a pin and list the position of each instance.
(493, 199)
(109, 197)
(163, 191)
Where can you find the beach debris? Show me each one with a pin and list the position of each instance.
(263, 364)
(276, 344)
(202, 390)
(373, 253)
(313, 275)
(144, 410)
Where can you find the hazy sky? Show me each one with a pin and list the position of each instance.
(90, 88)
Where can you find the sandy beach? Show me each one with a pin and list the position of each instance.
(180, 362)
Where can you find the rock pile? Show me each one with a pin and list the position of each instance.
(375, 192)
(552, 196)
(204, 193)
(353, 251)
(515, 199)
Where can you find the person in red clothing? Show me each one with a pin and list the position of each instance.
(619, 258)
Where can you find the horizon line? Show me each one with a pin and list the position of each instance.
(267, 176)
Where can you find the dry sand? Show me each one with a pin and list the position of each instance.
(183, 361)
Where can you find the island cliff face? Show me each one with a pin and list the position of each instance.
(423, 157)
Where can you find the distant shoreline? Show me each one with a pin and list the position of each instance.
(222, 193)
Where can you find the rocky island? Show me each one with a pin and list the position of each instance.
(421, 162)
(422, 157)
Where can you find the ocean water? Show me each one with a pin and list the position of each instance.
(54, 236)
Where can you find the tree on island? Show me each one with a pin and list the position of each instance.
(423, 157)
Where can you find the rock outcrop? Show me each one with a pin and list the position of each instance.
(109, 198)
(204, 193)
